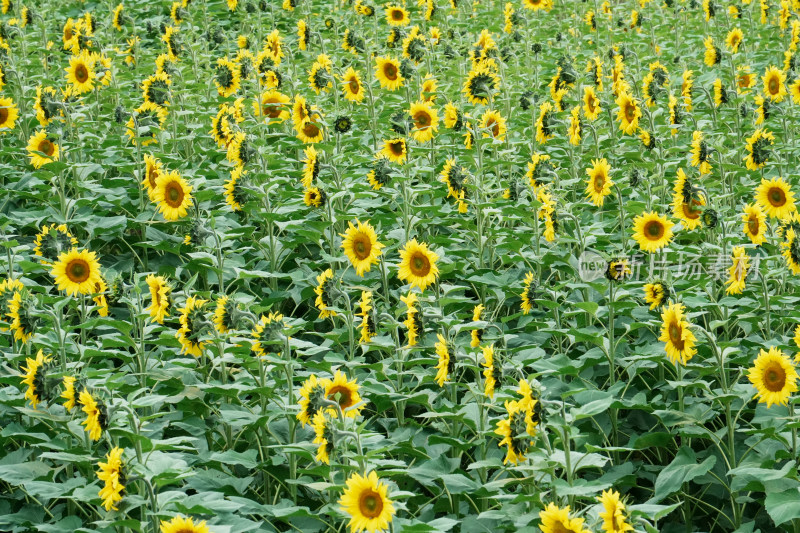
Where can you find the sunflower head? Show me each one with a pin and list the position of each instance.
(774, 376)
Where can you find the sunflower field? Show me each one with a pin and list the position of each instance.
(436, 265)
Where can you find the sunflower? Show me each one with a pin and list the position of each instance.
(8, 114)
(599, 184)
(8, 289)
(141, 123)
(656, 293)
(476, 335)
(516, 430)
(528, 292)
(628, 113)
(775, 198)
(224, 313)
(312, 395)
(556, 519)
(737, 271)
(790, 247)
(361, 246)
(613, 514)
(388, 72)
(152, 171)
(23, 319)
(395, 150)
(774, 377)
(687, 84)
(51, 241)
(314, 197)
(76, 271)
(652, 231)
(418, 265)
(345, 393)
(368, 326)
(183, 525)
(447, 359)
(324, 298)
(413, 321)
(323, 437)
(493, 124)
(675, 114)
(112, 474)
(159, 297)
(310, 132)
(678, 339)
(173, 195)
(493, 370)
(758, 148)
(367, 502)
(69, 393)
(480, 85)
(544, 123)
(234, 195)
(700, 153)
(397, 16)
(81, 73)
(117, 19)
(536, 5)
(591, 104)
(734, 39)
(352, 88)
(425, 119)
(712, 54)
(95, 415)
(686, 204)
(774, 84)
(193, 325)
(34, 377)
(794, 90)
(754, 223)
(320, 77)
(453, 118)
(41, 149)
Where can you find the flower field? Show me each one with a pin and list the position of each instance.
(324, 265)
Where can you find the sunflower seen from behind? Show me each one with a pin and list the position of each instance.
(112, 475)
(34, 376)
(613, 514)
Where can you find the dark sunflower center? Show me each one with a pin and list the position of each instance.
(174, 194)
(342, 395)
(654, 230)
(271, 109)
(599, 182)
(78, 270)
(397, 14)
(773, 86)
(630, 112)
(422, 119)
(776, 197)
(494, 126)
(370, 503)
(396, 148)
(310, 130)
(3, 115)
(691, 211)
(390, 71)
(675, 334)
(152, 176)
(354, 86)
(362, 247)
(752, 225)
(46, 147)
(560, 528)
(420, 265)
(81, 73)
(774, 378)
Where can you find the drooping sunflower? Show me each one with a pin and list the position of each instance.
(69, 393)
(95, 421)
(613, 513)
(599, 183)
(368, 326)
(112, 475)
(42, 149)
(76, 271)
(426, 121)
(776, 198)
(34, 377)
(737, 271)
(323, 437)
(700, 153)
(323, 290)
(528, 293)
(774, 376)
(656, 293)
(758, 149)
(159, 297)
(628, 113)
(774, 84)
(193, 326)
(183, 525)
(366, 500)
(173, 195)
(679, 341)
(352, 88)
(395, 150)
(361, 246)
(8, 114)
(447, 361)
(652, 231)
(493, 370)
(418, 265)
(388, 72)
(555, 519)
(117, 19)
(754, 223)
(413, 321)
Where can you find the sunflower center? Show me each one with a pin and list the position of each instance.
(559, 527)
(654, 230)
(390, 71)
(420, 265)
(174, 194)
(271, 109)
(599, 182)
(691, 211)
(397, 14)
(81, 73)
(3, 115)
(630, 112)
(494, 126)
(422, 119)
(592, 104)
(78, 270)
(774, 378)
(675, 335)
(354, 87)
(773, 86)
(342, 395)
(362, 247)
(776, 197)
(46, 147)
(396, 148)
(752, 225)
(310, 130)
(152, 175)
(370, 503)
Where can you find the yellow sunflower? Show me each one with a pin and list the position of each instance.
(189, 333)
(323, 437)
(34, 377)
(599, 184)
(361, 246)
(734, 39)
(273, 106)
(493, 124)
(591, 103)
(111, 474)
(69, 393)
(41, 149)
(555, 519)
(323, 302)
(173, 195)
(492, 370)
(774, 84)
(395, 150)
(413, 321)
(343, 392)
(628, 113)
(446, 355)
(418, 265)
(159, 297)
(152, 171)
(352, 88)
(8, 114)
(95, 416)
(652, 231)
(425, 119)
(613, 513)
(387, 70)
(775, 198)
(528, 293)
(81, 73)
(678, 339)
(183, 525)
(367, 502)
(76, 271)
(397, 16)
(755, 223)
(737, 271)
(774, 377)
(516, 430)
(655, 294)
(700, 153)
